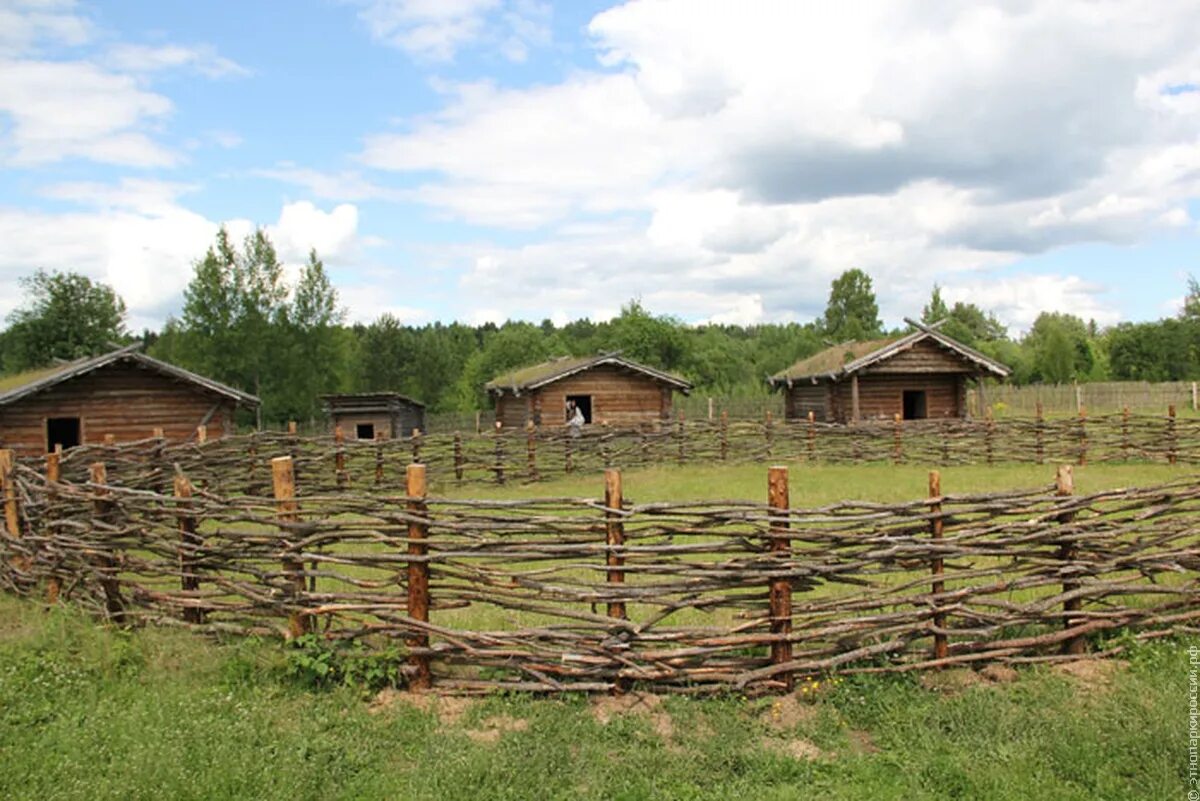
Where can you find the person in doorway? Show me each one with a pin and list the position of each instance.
(575, 420)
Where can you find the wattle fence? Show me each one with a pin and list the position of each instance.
(239, 464)
(598, 594)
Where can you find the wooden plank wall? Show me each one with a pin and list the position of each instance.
(881, 396)
(619, 397)
(807, 397)
(925, 356)
(121, 399)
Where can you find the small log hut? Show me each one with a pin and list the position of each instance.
(921, 375)
(607, 388)
(124, 394)
(366, 415)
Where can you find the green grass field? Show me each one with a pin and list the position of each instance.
(96, 713)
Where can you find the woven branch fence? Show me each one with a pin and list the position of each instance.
(601, 594)
(240, 465)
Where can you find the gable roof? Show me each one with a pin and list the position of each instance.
(839, 361)
(22, 385)
(347, 400)
(539, 375)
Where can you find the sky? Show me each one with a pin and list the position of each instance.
(483, 160)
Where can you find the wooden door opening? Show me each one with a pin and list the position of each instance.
(914, 404)
(364, 431)
(581, 402)
(64, 431)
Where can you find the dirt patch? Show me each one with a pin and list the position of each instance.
(999, 674)
(490, 729)
(605, 708)
(1093, 673)
(950, 681)
(802, 750)
(448, 708)
(787, 712)
(861, 742)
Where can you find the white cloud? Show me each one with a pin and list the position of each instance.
(24, 24)
(344, 185)
(1018, 300)
(204, 59)
(750, 157)
(137, 237)
(435, 30)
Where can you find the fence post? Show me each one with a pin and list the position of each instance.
(418, 576)
(283, 478)
(12, 509)
(1083, 442)
(1039, 433)
(710, 408)
(339, 456)
(568, 454)
(1125, 433)
(458, 457)
(769, 434)
(989, 434)
(189, 543)
(724, 434)
(378, 458)
(416, 446)
(499, 466)
(53, 476)
(812, 436)
(680, 436)
(897, 446)
(1172, 441)
(780, 590)
(102, 512)
(1195, 398)
(941, 646)
(1067, 553)
(615, 528)
(252, 457)
(531, 450)
(201, 434)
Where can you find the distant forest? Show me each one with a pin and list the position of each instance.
(242, 324)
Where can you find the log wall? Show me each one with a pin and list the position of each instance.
(121, 399)
(619, 398)
(881, 396)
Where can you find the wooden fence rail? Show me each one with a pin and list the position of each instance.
(600, 594)
(334, 464)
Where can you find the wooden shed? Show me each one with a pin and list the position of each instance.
(365, 415)
(124, 393)
(917, 376)
(607, 388)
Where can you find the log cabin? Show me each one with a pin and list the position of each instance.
(124, 393)
(921, 375)
(367, 415)
(607, 388)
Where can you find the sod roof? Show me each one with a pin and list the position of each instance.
(547, 372)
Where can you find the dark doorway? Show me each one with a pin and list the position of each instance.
(914, 404)
(581, 402)
(62, 431)
(364, 431)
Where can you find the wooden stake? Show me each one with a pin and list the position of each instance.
(941, 645)
(158, 433)
(710, 409)
(780, 590)
(378, 458)
(724, 434)
(291, 429)
(201, 434)
(531, 451)
(854, 406)
(458, 457)
(110, 440)
(769, 433)
(416, 446)
(499, 455)
(812, 436)
(1172, 440)
(189, 544)
(897, 446)
(1125, 433)
(8, 481)
(339, 457)
(283, 478)
(615, 528)
(1067, 553)
(418, 577)
(102, 512)
(1039, 434)
(989, 433)
(682, 455)
(1083, 442)
(53, 476)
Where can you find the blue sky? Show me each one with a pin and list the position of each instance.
(485, 159)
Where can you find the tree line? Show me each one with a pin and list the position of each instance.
(243, 323)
